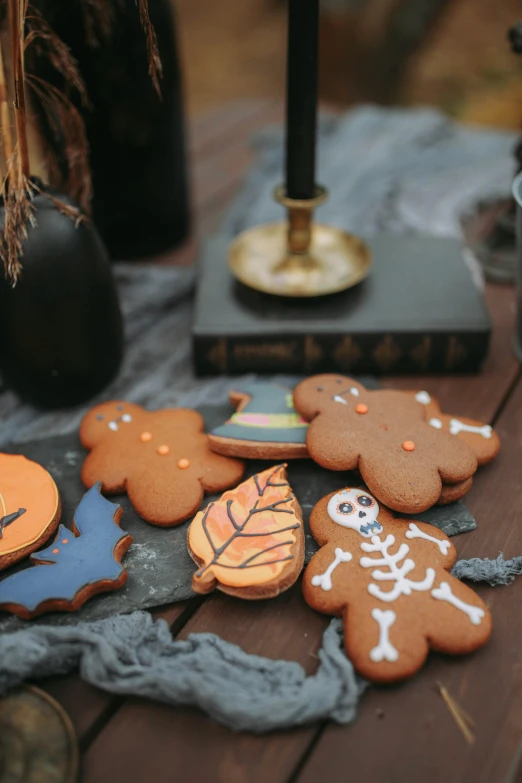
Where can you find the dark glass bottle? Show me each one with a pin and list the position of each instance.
(137, 139)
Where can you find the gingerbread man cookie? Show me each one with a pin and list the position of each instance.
(29, 507)
(403, 460)
(162, 459)
(388, 579)
(480, 437)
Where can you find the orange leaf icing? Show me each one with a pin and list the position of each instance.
(247, 537)
(27, 487)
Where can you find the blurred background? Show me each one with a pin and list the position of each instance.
(453, 54)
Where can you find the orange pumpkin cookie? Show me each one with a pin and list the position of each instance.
(29, 507)
(389, 580)
(162, 459)
(250, 543)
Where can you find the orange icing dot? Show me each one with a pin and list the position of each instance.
(55, 551)
(65, 540)
(163, 450)
(145, 437)
(361, 408)
(408, 445)
(183, 463)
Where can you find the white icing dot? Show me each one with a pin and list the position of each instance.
(436, 423)
(126, 417)
(423, 397)
(354, 391)
(113, 426)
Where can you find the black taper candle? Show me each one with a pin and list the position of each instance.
(301, 97)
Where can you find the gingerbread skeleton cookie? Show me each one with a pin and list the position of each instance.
(403, 460)
(480, 437)
(29, 507)
(80, 563)
(250, 543)
(389, 580)
(264, 426)
(162, 459)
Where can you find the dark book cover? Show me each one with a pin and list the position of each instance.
(417, 312)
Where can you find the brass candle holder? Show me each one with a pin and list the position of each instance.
(299, 258)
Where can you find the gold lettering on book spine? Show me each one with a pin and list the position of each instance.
(218, 355)
(280, 351)
(313, 354)
(347, 353)
(455, 354)
(421, 354)
(387, 353)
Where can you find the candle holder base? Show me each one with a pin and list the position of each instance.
(335, 260)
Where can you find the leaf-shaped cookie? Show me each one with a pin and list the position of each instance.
(250, 543)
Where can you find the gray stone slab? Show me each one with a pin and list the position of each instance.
(159, 567)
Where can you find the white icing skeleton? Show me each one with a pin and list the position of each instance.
(358, 510)
(325, 580)
(415, 532)
(385, 651)
(394, 573)
(443, 593)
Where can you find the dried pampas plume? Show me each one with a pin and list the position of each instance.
(31, 38)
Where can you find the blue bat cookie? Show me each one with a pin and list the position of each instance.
(79, 564)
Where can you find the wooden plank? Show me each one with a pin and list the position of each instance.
(216, 174)
(406, 732)
(199, 748)
(89, 707)
(208, 132)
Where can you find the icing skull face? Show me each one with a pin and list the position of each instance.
(356, 509)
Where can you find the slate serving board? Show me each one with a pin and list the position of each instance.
(159, 567)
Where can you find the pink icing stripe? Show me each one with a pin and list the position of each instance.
(258, 419)
(270, 420)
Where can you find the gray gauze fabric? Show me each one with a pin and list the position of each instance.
(132, 654)
(494, 572)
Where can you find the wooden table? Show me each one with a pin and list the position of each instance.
(404, 734)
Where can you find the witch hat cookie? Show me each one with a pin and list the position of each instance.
(264, 426)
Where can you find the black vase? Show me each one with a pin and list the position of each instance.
(61, 337)
(137, 139)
